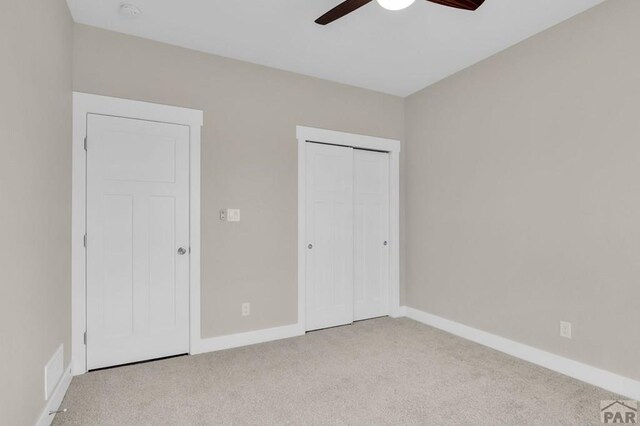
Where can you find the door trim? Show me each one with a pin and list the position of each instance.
(392, 146)
(83, 104)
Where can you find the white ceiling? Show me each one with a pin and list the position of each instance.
(392, 52)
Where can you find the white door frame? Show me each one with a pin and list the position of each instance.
(84, 104)
(392, 146)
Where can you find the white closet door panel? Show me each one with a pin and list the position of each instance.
(118, 266)
(371, 234)
(329, 280)
(137, 218)
(162, 265)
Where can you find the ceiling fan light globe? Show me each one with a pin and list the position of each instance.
(395, 4)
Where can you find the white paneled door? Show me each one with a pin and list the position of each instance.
(329, 260)
(137, 240)
(371, 234)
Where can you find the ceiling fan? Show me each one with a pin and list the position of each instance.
(349, 6)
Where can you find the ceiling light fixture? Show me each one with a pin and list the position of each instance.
(395, 4)
(130, 10)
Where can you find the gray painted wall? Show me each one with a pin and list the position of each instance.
(35, 200)
(523, 191)
(249, 158)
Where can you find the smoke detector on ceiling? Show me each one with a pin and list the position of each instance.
(130, 10)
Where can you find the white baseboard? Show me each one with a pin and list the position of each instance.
(586, 373)
(57, 396)
(399, 312)
(249, 338)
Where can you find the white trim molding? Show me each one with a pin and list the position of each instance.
(249, 338)
(577, 370)
(84, 104)
(392, 146)
(57, 396)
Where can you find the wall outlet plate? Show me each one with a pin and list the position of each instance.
(246, 309)
(223, 215)
(565, 329)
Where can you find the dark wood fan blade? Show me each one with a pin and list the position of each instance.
(340, 10)
(460, 4)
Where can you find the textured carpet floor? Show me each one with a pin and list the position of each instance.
(383, 371)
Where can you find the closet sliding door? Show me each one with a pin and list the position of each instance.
(329, 260)
(347, 231)
(371, 234)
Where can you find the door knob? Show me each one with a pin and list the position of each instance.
(310, 246)
(182, 251)
(386, 243)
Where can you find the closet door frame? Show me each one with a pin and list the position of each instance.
(392, 147)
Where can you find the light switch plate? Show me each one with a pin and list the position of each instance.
(233, 215)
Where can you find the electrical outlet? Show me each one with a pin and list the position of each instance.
(246, 309)
(223, 215)
(565, 329)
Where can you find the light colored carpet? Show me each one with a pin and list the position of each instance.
(382, 371)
